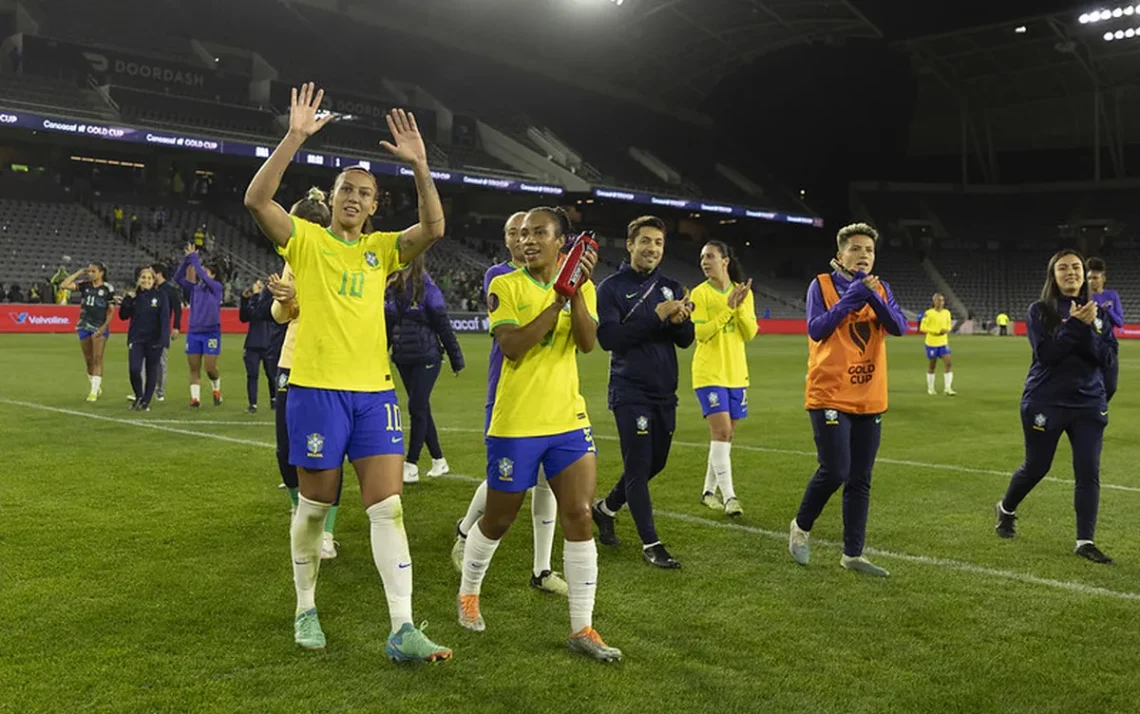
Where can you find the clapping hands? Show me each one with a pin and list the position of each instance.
(736, 297)
(1085, 313)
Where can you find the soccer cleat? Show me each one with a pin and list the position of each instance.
(1004, 525)
(328, 546)
(799, 543)
(469, 616)
(1091, 552)
(194, 403)
(708, 498)
(589, 643)
(409, 644)
(656, 555)
(862, 565)
(93, 396)
(605, 524)
(732, 508)
(217, 397)
(411, 473)
(307, 631)
(252, 409)
(144, 407)
(931, 392)
(439, 468)
(134, 406)
(131, 398)
(161, 398)
(458, 548)
(950, 392)
(550, 582)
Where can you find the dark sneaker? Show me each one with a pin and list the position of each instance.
(1005, 521)
(252, 409)
(658, 556)
(605, 523)
(1089, 551)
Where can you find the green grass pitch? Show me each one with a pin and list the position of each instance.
(147, 569)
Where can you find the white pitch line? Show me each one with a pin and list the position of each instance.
(961, 566)
(606, 437)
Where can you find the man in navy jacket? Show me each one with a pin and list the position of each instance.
(643, 316)
(255, 310)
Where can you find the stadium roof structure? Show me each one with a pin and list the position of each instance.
(1043, 81)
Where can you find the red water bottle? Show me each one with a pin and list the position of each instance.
(570, 276)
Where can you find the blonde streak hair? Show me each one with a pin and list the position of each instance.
(316, 194)
(846, 233)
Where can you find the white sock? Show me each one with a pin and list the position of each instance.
(305, 544)
(1084, 542)
(605, 509)
(96, 382)
(474, 509)
(647, 546)
(216, 383)
(1001, 505)
(948, 379)
(477, 556)
(390, 553)
(196, 392)
(720, 456)
(710, 479)
(930, 381)
(580, 562)
(544, 516)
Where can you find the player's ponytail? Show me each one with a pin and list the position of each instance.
(735, 269)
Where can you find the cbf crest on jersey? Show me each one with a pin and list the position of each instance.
(371, 259)
(1039, 422)
(154, 302)
(1099, 324)
(315, 444)
(282, 380)
(667, 293)
(714, 399)
(831, 417)
(642, 425)
(506, 469)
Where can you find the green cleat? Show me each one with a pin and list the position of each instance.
(708, 498)
(411, 645)
(307, 631)
(862, 565)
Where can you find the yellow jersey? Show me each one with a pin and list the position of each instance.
(936, 321)
(341, 339)
(719, 359)
(1002, 319)
(280, 315)
(536, 395)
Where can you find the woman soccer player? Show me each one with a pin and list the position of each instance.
(724, 317)
(543, 505)
(204, 336)
(1109, 303)
(539, 419)
(1073, 348)
(936, 323)
(417, 321)
(94, 326)
(285, 311)
(341, 397)
(148, 309)
(850, 313)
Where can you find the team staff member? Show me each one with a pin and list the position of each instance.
(539, 418)
(341, 401)
(255, 310)
(286, 311)
(725, 318)
(643, 316)
(1073, 348)
(1110, 305)
(94, 326)
(417, 321)
(543, 505)
(174, 298)
(148, 310)
(1002, 321)
(850, 313)
(935, 324)
(204, 336)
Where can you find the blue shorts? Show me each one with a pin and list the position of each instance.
(84, 334)
(326, 425)
(512, 462)
(723, 399)
(936, 352)
(204, 343)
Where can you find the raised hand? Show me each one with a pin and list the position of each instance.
(872, 283)
(304, 105)
(736, 297)
(280, 290)
(191, 248)
(409, 144)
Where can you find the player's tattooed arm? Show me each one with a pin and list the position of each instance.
(408, 145)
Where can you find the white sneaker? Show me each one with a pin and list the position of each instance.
(411, 473)
(799, 543)
(328, 546)
(439, 467)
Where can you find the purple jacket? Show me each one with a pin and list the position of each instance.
(853, 295)
(1115, 313)
(205, 297)
(415, 331)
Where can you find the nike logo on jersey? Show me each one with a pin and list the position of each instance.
(327, 252)
(1104, 413)
(524, 307)
(397, 439)
(631, 295)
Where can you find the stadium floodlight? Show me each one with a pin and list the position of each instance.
(1119, 34)
(1130, 33)
(1021, 29)
(1084, 18)
(1118, 12)
(1105, 14)
(1108, 37)
(1128, 11)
